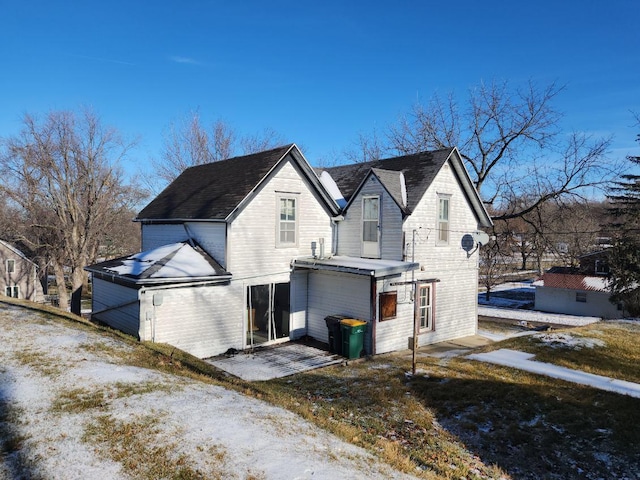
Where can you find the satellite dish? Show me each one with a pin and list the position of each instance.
(468, 242)
(480, 237)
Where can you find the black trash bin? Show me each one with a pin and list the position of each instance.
(335, 333)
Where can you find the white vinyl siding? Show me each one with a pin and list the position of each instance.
(332, 293)
(202, 320)
(252, 241)
(455, 294)
(394, 334)
(350, 235)
(117, 306)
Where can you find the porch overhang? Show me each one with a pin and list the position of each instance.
(359, 266)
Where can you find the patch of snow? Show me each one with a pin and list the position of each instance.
(44, 359)
(185, 262)
(600, 284)
(567, 340)
(535, 316)
(332, 187)
(522, 361)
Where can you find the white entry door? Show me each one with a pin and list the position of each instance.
(371, 227)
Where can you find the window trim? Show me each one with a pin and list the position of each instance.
(430, 307)
(384, 299)
(9, 290)
(279, 222)
(365, 251)
(12, 268)
(443, 198)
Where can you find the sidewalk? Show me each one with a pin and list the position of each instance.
(522, 361)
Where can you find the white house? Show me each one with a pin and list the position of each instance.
(260, 249)
(19, 275)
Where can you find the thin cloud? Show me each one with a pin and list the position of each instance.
(185, 60)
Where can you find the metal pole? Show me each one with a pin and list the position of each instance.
(415, 329)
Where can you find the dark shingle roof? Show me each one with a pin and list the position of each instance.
(212, 191)
(419, 171)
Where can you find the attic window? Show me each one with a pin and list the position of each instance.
(443, 220)
(388, 305)
(11, 266)
(287, 221)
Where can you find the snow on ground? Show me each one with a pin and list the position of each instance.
(220, 432)
(566, 340)
(535, 316)
(522, 361)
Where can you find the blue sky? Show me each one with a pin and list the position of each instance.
(319, 73)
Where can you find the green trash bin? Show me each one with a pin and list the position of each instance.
(352, 337)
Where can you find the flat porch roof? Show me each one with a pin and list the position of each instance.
(359, 266)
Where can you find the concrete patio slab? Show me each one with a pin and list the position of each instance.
(275, 362)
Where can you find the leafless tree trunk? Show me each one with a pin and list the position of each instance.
(62, 172)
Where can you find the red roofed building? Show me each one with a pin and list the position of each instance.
(577, 291)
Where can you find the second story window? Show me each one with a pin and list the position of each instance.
(11, 266)
(443, 220)
(287, 223)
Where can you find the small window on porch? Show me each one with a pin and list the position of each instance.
(388, 305)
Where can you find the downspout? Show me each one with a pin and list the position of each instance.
(334, 231)
(374, 317)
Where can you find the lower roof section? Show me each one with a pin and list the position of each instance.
(355, 265)
(169, 264)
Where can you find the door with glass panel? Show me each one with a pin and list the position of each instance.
(268, 308)
(371, 227)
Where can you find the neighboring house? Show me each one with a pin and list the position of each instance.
(578, 291)
(260, 249)
(19, 275)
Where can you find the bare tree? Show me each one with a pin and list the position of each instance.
(496, 260)
(188, 143)
(62, 173)
(259, 142)
(511, 143)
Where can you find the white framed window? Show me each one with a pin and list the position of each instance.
(371, 227)
(425, 307)
(442, 227)
(11, 266)
(12, 291)
(287, 221)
